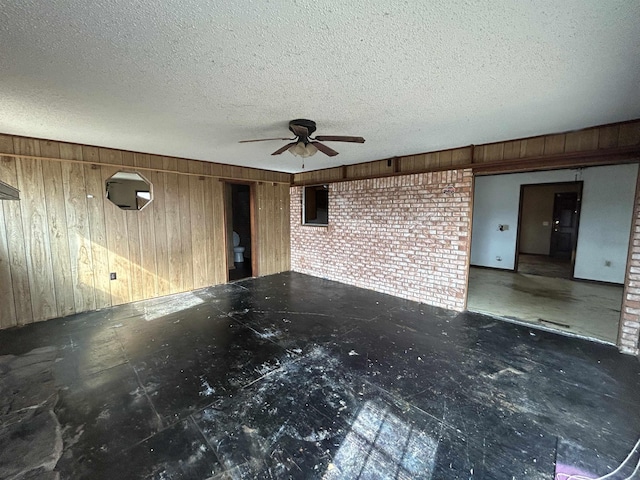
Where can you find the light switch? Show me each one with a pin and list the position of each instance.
(545, 224)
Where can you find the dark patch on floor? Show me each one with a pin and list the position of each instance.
(545, 293)
(544, 265)
(290, 376)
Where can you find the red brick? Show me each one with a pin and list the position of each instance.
(398, 235)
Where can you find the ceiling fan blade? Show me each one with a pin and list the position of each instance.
(324, 149)
(264, 140)
(339, 138)
(284, 149)
(299, 130)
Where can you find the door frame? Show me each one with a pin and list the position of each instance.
(252, 221)
(574, 246)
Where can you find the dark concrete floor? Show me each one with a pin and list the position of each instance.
(290, 376)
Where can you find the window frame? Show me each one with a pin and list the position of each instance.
(305, 222)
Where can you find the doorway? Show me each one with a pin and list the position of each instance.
(239, 215)
(548, 229)
(563, 266)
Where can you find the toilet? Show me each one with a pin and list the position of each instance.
(238, 251)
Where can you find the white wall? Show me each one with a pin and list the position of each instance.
(605, 219)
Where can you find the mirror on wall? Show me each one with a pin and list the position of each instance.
(129, 190)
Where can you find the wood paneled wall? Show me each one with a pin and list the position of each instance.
(273, 227)
(604, 144)
(60, 242)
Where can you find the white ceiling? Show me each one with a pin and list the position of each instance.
(190, 78)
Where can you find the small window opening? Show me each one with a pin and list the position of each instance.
(316, 205)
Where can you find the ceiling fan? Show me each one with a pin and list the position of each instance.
(303, 144)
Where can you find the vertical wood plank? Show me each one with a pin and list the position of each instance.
(16, 247)
(478, 154)
(267, 218)
(134, 257)
(264, 239)
(214, 226)
(8, 317)
(58, 231)
(36, 237)
(629, 134)
(146, 228)
(128, 160)
(198, 226)
(532, 147)
(511, 150)
(97, 226)
(228, 216)
(185, 227)
(277, 228)
(78, 233)
(444, 158)
(581, 140)
(494, 152)
(408, 163)
(420, 161)
(7, 301)
(280, 236)
(220, 250)
(172, 222)
(117, 245)
(608, 137)
(160, 227)
(461, 156)
(117, 235)
(259, 233)
(554, 144)
(285, 221)
(136, 280)
(6, 143)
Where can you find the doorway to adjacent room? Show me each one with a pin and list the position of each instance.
(550, 248)
(239, 215)
(548, 229)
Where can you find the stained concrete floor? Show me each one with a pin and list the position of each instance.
(290, 376)
(544, 265)
(582, 308)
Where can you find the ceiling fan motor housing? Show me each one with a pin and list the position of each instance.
(310, 125)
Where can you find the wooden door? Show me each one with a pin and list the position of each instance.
(565, 225)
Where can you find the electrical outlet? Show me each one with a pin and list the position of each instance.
(112, 275)
(607, 263)
(499, 259)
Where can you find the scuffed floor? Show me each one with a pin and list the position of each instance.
(30, 434)
(291, 376)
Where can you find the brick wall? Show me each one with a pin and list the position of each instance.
(398, 235)
(630, 323)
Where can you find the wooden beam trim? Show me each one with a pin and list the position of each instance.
(545, 162)
(608, 156)
(133, 167)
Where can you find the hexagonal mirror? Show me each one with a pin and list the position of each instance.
(129, 190)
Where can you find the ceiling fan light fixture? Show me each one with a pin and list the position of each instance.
(311, 149)
(302, 150)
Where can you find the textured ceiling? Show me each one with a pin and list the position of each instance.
(190, 77)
